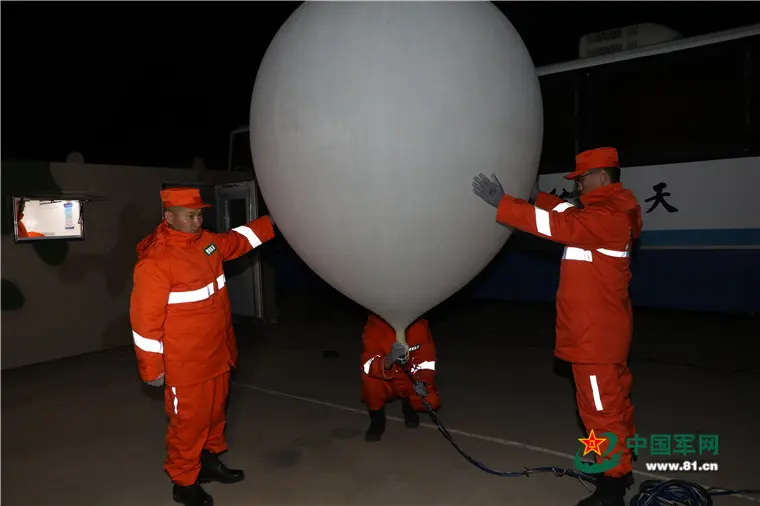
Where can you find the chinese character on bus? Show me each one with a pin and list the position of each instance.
(659, 198)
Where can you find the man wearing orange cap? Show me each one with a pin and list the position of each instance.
(183, 336)
(594, 318)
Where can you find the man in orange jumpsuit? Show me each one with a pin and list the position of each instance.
(183, 336)
(594, 317)
(383, 380)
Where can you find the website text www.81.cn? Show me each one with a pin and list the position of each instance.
(683, 466)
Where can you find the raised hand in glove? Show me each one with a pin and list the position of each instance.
(158, 382)
(489, 190)
(419, 389)
(397, 354)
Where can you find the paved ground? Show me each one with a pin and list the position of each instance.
(83, 431)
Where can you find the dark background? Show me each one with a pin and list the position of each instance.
(158, 83)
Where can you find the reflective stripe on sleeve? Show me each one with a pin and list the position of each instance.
(542, 222)
(564, 206)
(248, 234)
(149, 345)
(424, 366)
(368, 363)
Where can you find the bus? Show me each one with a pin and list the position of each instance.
(685, 119)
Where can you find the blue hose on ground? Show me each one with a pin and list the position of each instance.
(651, 492)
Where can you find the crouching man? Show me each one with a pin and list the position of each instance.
(384, 380)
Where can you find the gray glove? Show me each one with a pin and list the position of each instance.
(397, 354)
(489, 190)
(419, 389)
(158, 382)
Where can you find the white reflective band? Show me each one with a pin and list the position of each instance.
(220, 281)
(595, 391)
(427, 366)
(368, 363)
(584, 255)
(176, 401)
(613, 253)
(192, 296)
(542, 222)
(564, 206)
(149, 345)
(248, 234)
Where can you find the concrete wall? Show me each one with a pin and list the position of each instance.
(64, 298)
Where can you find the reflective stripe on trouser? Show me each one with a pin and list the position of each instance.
(377, 392)
(603, 394)
(196, 421)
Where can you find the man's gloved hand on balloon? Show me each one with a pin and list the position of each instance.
(398, 354)
(419, 389)
(489, 190)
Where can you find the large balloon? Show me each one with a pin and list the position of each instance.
(369, 121)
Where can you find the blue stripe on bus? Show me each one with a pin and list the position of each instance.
(704, 237)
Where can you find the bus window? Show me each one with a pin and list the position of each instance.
(674, 107)
(558, 96)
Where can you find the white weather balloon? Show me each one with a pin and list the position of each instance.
(369, 121)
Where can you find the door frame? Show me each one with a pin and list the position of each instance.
(252, 212)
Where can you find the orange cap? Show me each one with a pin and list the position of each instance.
(599, 158)
(182, 197)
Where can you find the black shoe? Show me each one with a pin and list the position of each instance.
(609, 491)
(376, 426)
(192, 495)
(212, 469)
(411, 417)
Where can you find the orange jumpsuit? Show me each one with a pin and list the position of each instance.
(181, 327)
(380, 386)
(594, 319)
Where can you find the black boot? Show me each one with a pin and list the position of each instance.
(212, 469)
(192, 495)
(609, 491)
(411, 417)
(376, 425)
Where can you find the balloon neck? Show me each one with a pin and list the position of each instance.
(401, 336)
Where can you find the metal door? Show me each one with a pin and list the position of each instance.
(237, 205)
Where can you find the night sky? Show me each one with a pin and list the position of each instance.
(154, 83)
